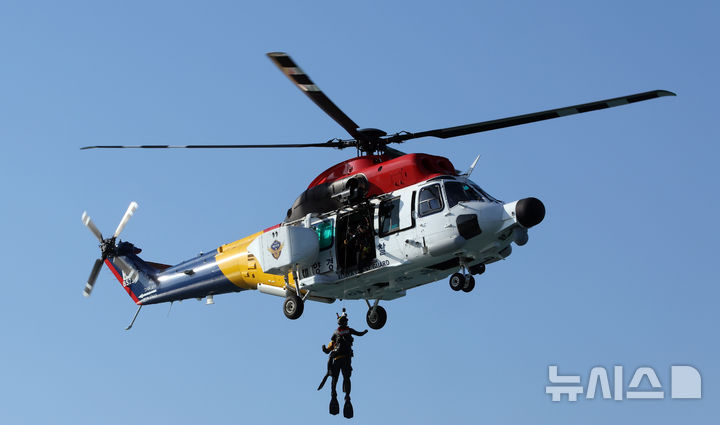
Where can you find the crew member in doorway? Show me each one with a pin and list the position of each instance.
(360, 242)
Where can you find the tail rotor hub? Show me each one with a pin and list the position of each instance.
(108, 246)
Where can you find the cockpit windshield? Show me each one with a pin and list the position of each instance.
(482, 192)
(461, 192)
(465, 191)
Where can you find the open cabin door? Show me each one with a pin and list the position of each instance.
(355, 239)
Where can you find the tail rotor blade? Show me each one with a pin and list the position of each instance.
(131, 209)
(87, 221)
(93, 277)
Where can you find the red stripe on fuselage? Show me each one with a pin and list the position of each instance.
(271, 228)
(120, 279)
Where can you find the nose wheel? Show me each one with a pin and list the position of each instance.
(466, 282)
(469, 284)
(457, 281)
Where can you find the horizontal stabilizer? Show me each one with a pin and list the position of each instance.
(158, 266)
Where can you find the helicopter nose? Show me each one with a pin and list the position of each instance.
(529, 212)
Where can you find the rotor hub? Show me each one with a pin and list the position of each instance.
(372, 133)
(108, 247)
(370, 140)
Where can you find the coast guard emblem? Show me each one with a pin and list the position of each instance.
(276, 249)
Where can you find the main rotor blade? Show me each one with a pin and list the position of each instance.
(304, 83)
(93, 277)
(131, 209)
(328, 144)
(87, 221)
(461, 130)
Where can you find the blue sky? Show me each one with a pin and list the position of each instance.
(621, 272)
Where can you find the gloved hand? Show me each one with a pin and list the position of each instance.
(325, 349)
(364, 332)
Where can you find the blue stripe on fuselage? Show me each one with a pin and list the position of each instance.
(194, 278)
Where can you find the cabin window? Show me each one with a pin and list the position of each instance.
(457, 192)
(389, 214)
(430, 200)
(326, 234)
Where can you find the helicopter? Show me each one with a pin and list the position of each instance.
(369, 228)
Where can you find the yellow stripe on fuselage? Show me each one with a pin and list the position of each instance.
(241, 267)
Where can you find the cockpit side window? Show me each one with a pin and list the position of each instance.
(457, 192)
(430, 200)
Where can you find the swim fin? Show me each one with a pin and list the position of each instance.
(334, 406)
(348, 409)
(322, 383)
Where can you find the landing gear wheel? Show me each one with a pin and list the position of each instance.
(293, 307)
(469, 283)
(457, 281)
(376, 319)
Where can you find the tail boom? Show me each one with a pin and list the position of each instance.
(229, 268)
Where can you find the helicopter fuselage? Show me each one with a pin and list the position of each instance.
(374, 248)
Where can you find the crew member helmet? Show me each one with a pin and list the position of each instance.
(342, 318)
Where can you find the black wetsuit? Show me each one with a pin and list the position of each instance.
(341, 357)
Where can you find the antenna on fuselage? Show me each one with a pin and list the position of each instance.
(134, 317)
(472, 167)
